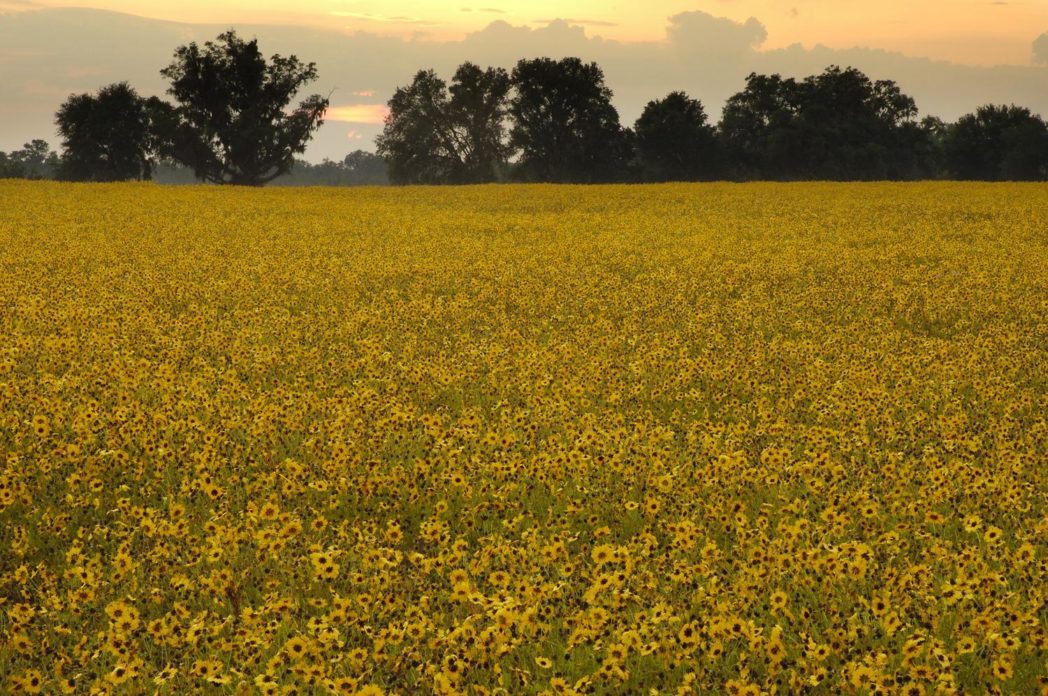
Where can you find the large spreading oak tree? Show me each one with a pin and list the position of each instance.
(232, 124)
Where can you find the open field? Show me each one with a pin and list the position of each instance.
(692, 438)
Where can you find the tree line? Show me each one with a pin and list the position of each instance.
(36, 160)
(358, 168)
(553, 121)
(231, 121)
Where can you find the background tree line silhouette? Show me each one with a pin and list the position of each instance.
(545, 121)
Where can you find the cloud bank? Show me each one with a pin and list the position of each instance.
(1040, 49)
(700, 33)
(45, 55)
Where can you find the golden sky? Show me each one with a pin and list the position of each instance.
(963, 31)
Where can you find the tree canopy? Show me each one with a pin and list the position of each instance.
(675, 141)
(564, 124)
(839, 124)
(437, 135)
(35, 160)
(107, 136)
(998, 143)
(232, 124)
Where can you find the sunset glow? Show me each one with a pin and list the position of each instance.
(964, 31)
(358, 113)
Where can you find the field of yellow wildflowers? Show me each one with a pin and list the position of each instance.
(680, 439)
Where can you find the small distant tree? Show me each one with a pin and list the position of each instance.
(35, 160)
(359, 168)
(8, 168)
(997, 143)
(675, 141)
(231, 124)
(564, 123)
(440, 135)
(366, 168)
(106, 136)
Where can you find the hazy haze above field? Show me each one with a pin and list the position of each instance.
(951, 56)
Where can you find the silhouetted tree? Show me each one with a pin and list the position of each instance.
(106, 136)
(479, 108)
(34, 161)
(39, 160)
(758, 127)
(564, 123)
(835, 125)
(437, 135)
(231, 124)
(675, 142)
(416, 137)
(997, 143)
(851, 126)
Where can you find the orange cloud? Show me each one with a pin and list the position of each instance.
(358, 113)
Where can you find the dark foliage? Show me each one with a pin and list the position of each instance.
(564, 124)
(835, 125)
(675, 142)
(997, 143)
(547, 121)
(107, 136)
(758, 127)
(231, 124)
(440, 135)
(34, 161)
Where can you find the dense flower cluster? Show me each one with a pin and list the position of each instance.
(677, 439)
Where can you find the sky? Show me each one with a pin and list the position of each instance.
(979, 32)
(950, 55)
